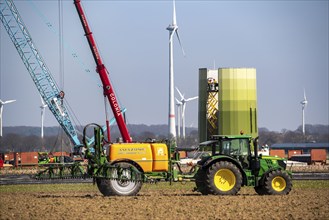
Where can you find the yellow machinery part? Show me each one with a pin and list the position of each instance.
(224, 180)
(149, 156)
(279, 183)
(160, 157)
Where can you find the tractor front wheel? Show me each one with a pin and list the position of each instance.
(277, 183)
(223, 178)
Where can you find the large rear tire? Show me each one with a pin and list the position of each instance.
(277, 183)
(200, 181)
(223, 178)
(123, 186)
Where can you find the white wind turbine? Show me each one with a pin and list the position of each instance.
(304, 103)
(2, 103)
(43, 107)
(183, 101)
(172, 28)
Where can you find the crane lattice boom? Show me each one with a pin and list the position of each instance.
(36, 66)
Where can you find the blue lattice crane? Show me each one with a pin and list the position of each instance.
(36, 66)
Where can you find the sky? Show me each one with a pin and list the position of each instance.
(286, 41)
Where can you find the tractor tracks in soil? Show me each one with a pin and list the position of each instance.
(29, 179)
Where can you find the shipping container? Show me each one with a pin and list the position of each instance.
(305, 147)
(9, 157)
(182, 154)
(294, 152)
(57, 154)
(29, 158)
(319, 155)
(278, 153)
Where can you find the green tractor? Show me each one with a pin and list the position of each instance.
(234, 163)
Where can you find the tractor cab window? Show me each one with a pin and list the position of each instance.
(235, 147)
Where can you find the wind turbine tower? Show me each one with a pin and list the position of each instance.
(2, 103)
(43, 107)
(183, 106)
(304, 103)
(172, 28)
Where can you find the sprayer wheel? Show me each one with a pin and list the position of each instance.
(120, 187)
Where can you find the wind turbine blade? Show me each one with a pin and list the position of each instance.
(180, 94)
(180, 43)
(174, 14)
(183, 112)
(171, 35)
(190, 99)
(305, 95)
(42, 118)
(9, 101)
(42, 101)
(178, 102)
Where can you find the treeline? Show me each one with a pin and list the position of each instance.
(33, 143)
(27, 139)
(313, 133)
(58, 141)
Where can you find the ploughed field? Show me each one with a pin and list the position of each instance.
(307, 200)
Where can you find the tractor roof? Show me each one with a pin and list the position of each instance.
(220, 137)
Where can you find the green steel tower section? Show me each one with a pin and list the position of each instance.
(227, 102)
(238, 98)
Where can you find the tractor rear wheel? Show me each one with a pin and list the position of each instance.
(277, 183)
(200, 181)
(223, 178)
(120, 185)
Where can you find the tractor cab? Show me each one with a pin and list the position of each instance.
(240, 148)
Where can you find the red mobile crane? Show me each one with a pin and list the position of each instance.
(103, 74)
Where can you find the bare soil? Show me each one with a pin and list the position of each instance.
(34, 170)
(162, 203)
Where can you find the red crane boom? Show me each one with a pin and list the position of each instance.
(103, 74)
